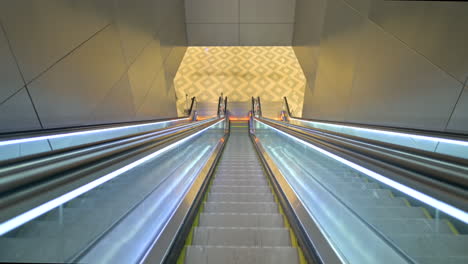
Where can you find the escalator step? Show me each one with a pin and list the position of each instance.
(240, 189)
(243, 182)
(241, 207)
(241, 255)
(241, 236)
(240, 197)
(241, 220)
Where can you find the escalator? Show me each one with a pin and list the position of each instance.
(364, 202)
(240, 221)
(418, 231)
(228, 189)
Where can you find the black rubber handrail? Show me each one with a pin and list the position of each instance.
(222, 111)
(420, 132)
(220, 99)
(441, 180)
(253, 105)
(288, 110)
(225, 105)
(53, 131)
(259, 106)
(192, 109)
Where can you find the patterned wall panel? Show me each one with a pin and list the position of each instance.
(240, 73)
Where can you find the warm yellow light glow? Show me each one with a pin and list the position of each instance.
(240, 73)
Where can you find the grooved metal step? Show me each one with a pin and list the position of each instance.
(240, 189)
(240, 197)
(241, 236)
(242, 182)
(241, 207)
(241, 255)
(240, 221)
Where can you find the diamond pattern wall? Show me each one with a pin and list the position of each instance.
(240, 73)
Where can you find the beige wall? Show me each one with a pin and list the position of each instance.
(70, 63)
(393, 63)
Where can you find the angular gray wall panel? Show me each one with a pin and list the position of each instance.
(395, 86)
(437, 30)
(234, 22)
(213, 34)
(67, 93)
(10, 78)
(91, 62)
(267, 11)
(341, 38)
(266, 34)
(405, 69)
(309, 18)
(174, 59)
(212, 11)
(136, 25)
(152, 105)
(459, 120)
(362, 6)
(143, 71)
(17, 113)
(117, 105)
(308, 56)
(308, 107)
(43, 32)
(171, 23)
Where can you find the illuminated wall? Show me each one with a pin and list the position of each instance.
(240, 73)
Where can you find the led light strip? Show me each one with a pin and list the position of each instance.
(25, 140)
(444, 140)
(446, 208)
(27, 216)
